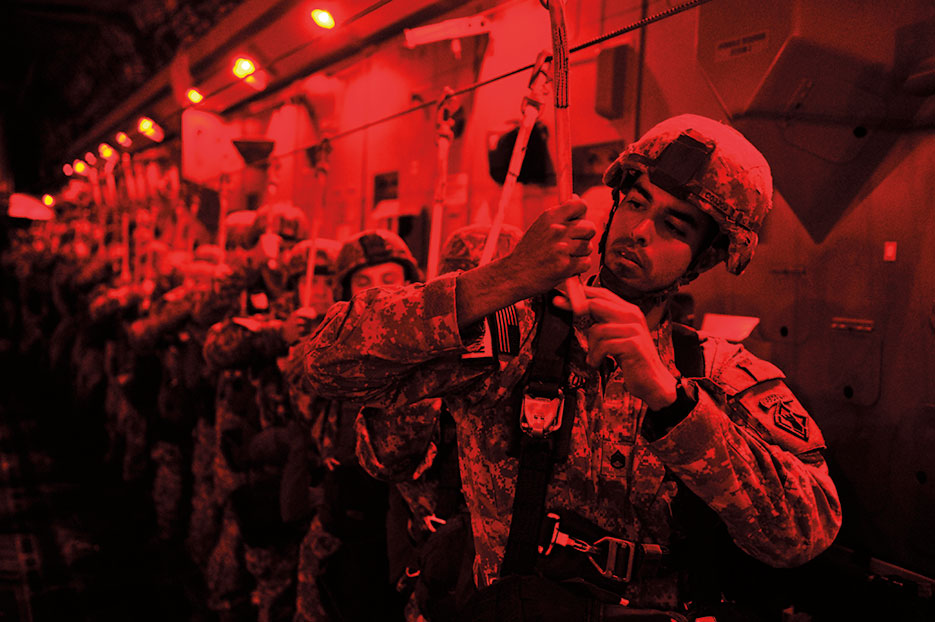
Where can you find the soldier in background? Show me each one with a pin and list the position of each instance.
(213, 526)
(256, 442)
(343, 554)
(429, 533)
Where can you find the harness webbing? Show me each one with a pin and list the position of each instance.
(546, 378)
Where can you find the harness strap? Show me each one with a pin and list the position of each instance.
(450, 497)
(546, 378)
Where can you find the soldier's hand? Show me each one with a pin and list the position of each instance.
(556, 246)
(299, 324)
(620, 332)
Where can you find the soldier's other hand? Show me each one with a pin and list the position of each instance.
(621, 333)
(556, 246)
(299, 324)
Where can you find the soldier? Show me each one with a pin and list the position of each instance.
(184, 392)
(256, 443)
(344, 549)
(204, 521)
(428, 524)
(592, 455)
(214, 538)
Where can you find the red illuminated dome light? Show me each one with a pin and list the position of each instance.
(244, 67)
(323, 18)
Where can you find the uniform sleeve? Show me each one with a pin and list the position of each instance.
(223, 297)
(167, 316)
(753, 454)
(397, 446)
(231, 344)
(391, 347)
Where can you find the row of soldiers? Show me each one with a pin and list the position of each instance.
(292, 507)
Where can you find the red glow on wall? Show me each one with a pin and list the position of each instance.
(258, 81)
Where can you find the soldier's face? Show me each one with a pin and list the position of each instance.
(653, 237)
(380, 275)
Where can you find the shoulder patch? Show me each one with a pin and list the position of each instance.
(774, 412)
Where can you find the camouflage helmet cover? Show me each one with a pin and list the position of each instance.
(712, 166)
(370, 248)
(464, 248)
(284, 219)
(295, 260)
(240, 229)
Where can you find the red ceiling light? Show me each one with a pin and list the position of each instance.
(123, 140)
(323, 19)
(106, 151)
(68, 169)
(80, 167)
(243, 67)
(90, 158)
(150, 129)
(48, 200)
(194, 96)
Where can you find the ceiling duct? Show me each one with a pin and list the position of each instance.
(816, 86)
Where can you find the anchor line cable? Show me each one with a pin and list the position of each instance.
(642, 23)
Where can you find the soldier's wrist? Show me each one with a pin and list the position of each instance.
(660, 422)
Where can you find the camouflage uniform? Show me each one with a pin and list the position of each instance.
(747, 448)
(257, 443)
(346, 537)
(132, 381)
(214, 537)
(424, 470)
(184, 393)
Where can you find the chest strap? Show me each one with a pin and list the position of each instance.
(546, 416)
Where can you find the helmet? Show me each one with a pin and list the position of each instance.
(464, 248)
(283, 219)
(240, 229)
(712, 166)
(295, 260)
(208, 252)
(369, 248)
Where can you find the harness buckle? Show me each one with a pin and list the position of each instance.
(557, 537)
(610, 550)
(541, 415)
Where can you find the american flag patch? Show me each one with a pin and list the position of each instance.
(504, 325)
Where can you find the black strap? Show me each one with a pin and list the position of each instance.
(450, 497)
(547, 374)
(689, 356)
(546, 377)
